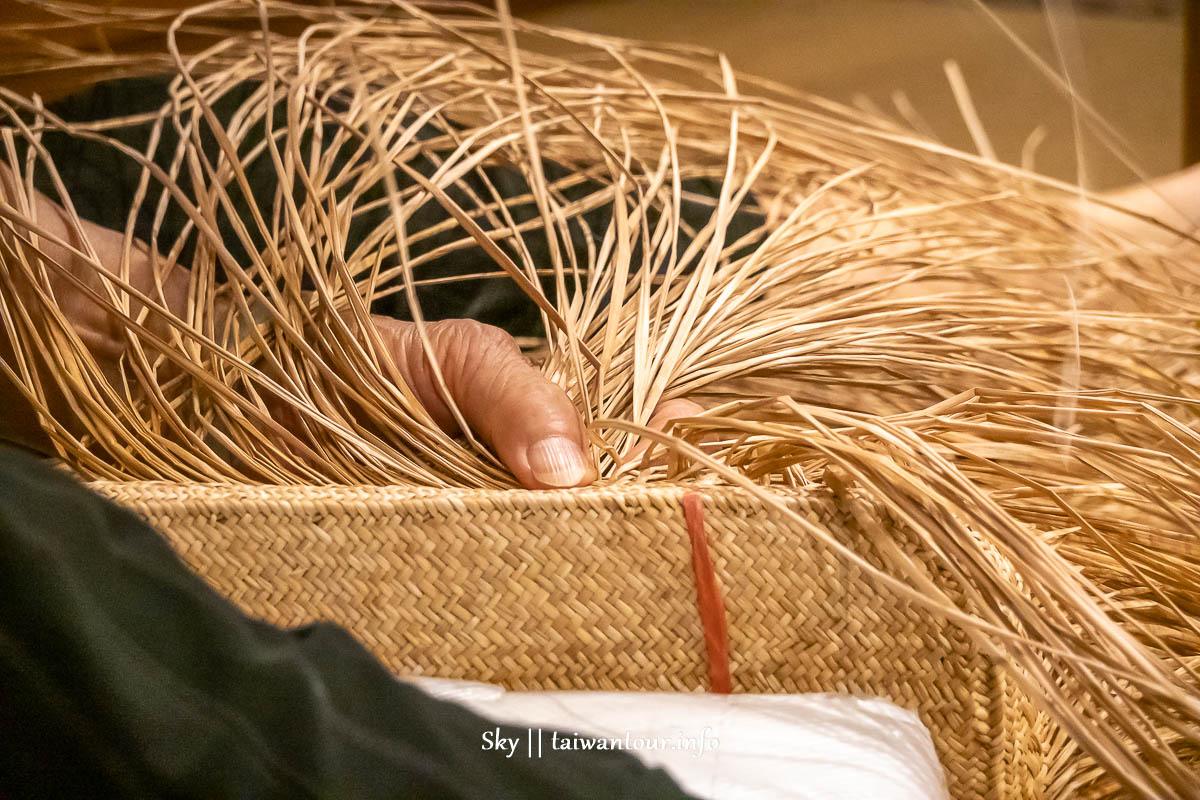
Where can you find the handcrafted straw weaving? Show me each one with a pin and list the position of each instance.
(949, 455)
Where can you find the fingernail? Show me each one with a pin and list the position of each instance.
(557, 461)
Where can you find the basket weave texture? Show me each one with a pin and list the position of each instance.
(593, 589)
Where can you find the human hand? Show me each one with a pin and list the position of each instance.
(1173, 199)
(528, 421)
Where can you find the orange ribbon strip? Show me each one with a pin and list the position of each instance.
(708, 598)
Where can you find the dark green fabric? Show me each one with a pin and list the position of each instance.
(122, 674)
(102, 183)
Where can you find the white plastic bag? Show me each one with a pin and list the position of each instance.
(818, 746)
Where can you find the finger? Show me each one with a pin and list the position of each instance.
(671, 410)
(663, 416)
(527, 420)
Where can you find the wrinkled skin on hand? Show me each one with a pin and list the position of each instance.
(527, 420)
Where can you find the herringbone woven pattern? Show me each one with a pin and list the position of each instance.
(592, 589)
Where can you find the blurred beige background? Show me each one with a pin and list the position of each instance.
(1131, 53)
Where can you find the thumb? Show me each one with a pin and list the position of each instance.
(528, 421)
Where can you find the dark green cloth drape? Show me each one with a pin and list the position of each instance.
(122, 674)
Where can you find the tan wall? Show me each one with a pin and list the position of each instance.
(843, 48)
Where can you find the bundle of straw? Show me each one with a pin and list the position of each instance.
(940, 336)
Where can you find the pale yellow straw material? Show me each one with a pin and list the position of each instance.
(993, 397)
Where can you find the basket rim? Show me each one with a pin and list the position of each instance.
(170, 491)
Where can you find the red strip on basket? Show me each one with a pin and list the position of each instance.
(708, 598)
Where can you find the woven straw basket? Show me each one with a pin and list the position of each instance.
(595, 589)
